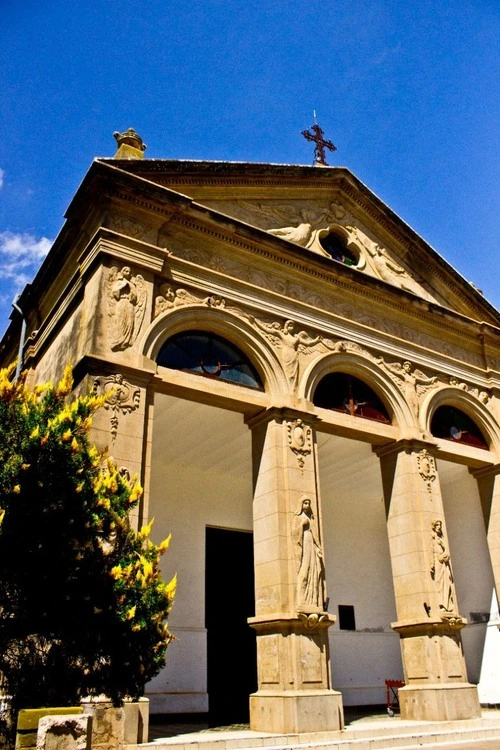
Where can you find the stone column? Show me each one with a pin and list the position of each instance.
(488, 480)
(428, 620)
(294, 693)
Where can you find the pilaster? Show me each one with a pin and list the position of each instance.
(294, 693)
(429, 622)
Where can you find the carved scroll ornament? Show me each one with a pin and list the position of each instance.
(122, 398)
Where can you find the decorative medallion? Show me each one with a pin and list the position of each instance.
(299, 440)
(122, 397)
(427, 468)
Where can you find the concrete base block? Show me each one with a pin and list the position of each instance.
(291, 712)
(447, 702)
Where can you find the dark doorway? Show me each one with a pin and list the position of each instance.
(231, 646)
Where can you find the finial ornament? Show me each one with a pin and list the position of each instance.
(130, 145)
(317, 136)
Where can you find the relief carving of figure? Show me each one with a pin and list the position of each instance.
(309, 556)
(412, 382)
(127, 305)
(290, 344)
(388, 269)
(441, 571)
(305, 219)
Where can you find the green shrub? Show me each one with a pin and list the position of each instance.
(82, 604)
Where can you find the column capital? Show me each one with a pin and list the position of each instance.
(485, 471)
(281, 414)
(405, 446)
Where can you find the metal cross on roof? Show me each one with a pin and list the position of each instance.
(319, 149)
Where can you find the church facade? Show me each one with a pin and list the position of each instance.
(310, 395)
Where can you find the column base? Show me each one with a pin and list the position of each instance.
(296, 711)
(439, 702)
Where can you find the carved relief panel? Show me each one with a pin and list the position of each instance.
(126, 297)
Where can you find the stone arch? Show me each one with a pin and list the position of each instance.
(235, 329)
(469, 404)
(353, 360)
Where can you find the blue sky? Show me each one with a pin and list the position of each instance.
(407, 90)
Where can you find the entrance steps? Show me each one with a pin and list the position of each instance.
(378, 734)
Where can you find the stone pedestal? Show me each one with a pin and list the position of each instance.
(429, 623)
(294, 693)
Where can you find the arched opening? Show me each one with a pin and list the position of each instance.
(453, 424)
(345, 393)
(211, 356)
(337, 249)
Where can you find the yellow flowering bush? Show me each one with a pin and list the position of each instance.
(83, 606)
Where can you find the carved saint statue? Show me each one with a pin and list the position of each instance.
(309, 557)
(127, 304)
(441, 571)
(290, 344)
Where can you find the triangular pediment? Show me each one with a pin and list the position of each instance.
(321, 209)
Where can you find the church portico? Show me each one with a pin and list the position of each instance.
(310, 397)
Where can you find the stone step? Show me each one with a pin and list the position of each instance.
(377, 735)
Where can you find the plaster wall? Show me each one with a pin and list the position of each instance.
(473, 575)
(201, 476)
(358, 570)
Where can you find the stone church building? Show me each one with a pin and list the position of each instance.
(311, 397)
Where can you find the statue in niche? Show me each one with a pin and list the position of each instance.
(441, 571)
(309, 556)
(127, 305)
(411, 382)
(290, 344)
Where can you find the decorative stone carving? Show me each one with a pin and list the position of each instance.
(309, 556)
(427, 468)
(387, 268)
(413, 383)
(131, 228)
(299, 440)
(127, 304)
(441, 572)
(482, 396)
(289, 344)
(171, 297)
(314, 620)
(122, 398)
(303, 219)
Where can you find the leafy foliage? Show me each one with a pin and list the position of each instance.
(82, 602)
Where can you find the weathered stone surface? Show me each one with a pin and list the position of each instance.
(71, 732)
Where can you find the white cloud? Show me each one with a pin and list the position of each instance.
(20, 256)
(2, 173)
